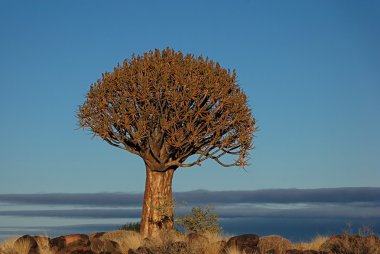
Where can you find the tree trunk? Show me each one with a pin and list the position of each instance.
(157, 212)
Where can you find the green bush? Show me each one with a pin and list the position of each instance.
(131, 226)
(200, 220)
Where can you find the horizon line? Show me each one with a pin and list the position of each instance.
(198, 190)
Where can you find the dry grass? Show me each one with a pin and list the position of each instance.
(212, 249)
(215, 237)
(132, 240)
(314, 244)
(12, 247)
(214, 246)
(43, 244)
(126, 239)
(167, 237)
(23, 246)
(163, 244)
(6, 247)
(233, 250)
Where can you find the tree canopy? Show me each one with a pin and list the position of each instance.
(171, 109)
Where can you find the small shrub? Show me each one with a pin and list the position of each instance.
(201, 220)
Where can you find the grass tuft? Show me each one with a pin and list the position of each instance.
(233, 250)
(314, 244)
(126, 239)
(10, 246)
(43, 245)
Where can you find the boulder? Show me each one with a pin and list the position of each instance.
(73, 244)
(102, 245)
(105, 246)
(250, 250)
(244, 243)
(274, 244)
(112, 247)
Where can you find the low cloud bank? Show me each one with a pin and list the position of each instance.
(284, 196)
(314, 211)
(74, 199)
(279, 196)
(276, 203)
(77, 213)
(298, 214)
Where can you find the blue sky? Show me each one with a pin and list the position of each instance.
(309, 68)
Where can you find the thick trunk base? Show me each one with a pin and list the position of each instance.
(157, 213)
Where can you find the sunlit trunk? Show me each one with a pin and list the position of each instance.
(157, 212)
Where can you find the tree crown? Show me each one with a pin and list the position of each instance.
(166, 107)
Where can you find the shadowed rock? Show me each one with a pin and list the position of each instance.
(105, 246)
(245, 243)
(73, 244)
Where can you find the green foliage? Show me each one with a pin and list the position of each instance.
(131, 226)
(200, 220)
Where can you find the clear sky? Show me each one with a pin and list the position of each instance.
(309, 68)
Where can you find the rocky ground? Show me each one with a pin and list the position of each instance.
(119, 242)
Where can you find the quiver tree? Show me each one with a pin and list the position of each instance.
(172, 110)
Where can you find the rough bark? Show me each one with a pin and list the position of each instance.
(157, 212)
